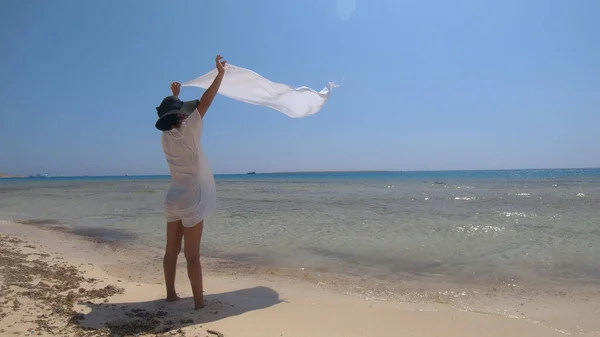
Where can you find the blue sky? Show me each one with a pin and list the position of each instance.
(427, 84)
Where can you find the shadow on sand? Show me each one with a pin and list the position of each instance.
(158, 316)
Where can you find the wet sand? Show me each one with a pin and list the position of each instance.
(56, 284)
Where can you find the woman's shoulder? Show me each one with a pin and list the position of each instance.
(194, 119)
(173, 134)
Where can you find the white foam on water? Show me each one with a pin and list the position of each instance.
(472, 229)
(465, 198)
(518, 214)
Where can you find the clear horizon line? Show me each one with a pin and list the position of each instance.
(326, 171)
(422, 170)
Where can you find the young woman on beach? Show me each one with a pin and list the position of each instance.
(192, 192)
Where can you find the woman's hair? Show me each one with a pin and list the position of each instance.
(168, 122)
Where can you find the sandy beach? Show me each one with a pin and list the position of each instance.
(55, 284)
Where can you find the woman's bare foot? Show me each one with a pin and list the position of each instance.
(199, 304)
(173, 298)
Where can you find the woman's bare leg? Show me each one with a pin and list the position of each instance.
(191, 250)
(174, 236)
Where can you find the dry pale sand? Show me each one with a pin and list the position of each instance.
(45, 291)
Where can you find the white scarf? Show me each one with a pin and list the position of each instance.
(247, 86)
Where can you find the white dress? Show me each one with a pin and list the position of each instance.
(192, 195)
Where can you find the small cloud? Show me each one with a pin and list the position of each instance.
(345, 9)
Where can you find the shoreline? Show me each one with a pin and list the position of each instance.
(8, 176)
(303, 293)
(117, 239)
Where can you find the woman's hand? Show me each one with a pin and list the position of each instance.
(176, 88)
(220, 64)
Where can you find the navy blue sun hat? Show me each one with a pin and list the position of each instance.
(172, 105)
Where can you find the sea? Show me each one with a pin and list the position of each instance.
(512, 228)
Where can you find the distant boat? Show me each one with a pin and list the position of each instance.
(252, 172)
(46, 175)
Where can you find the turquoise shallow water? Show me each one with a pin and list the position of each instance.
(525, 227)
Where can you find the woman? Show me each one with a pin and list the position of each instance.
(192, 193)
